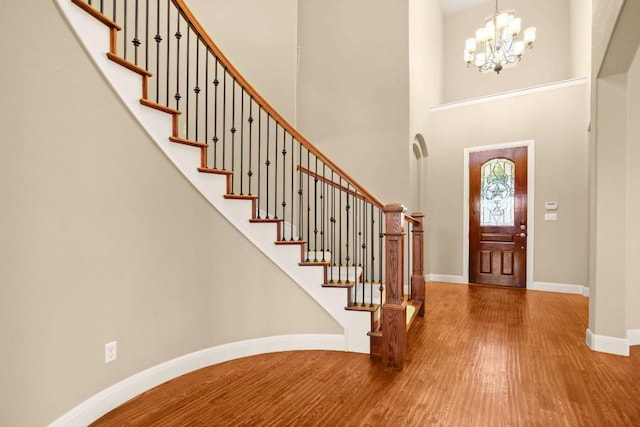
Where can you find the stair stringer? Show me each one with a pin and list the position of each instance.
(94, 37)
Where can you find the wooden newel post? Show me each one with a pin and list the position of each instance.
(394, 310)
(417, 263)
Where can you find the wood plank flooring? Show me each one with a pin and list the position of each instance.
(481, 356)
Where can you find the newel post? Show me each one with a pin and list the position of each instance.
(394, 310)
(417, 263)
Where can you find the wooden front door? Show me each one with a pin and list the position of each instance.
(498, 217)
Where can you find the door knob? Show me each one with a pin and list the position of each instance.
(522, 234)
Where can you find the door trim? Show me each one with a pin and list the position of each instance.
(530, 144)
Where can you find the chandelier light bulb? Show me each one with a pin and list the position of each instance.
(481, 35)
(496, 44)
(490, 31)
(530, 35)
(502, 21)
(515, 26)
(470, 45)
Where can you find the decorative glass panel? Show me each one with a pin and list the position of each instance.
(497, 192)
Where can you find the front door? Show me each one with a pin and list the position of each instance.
(498, 217)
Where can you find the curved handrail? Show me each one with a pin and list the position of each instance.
(204, 36)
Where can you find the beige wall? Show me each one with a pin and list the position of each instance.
(353, 89)
(633, 196)
(555, 120)
(580, 37)
(615, 293)
(549, 61)
(604, 16)
(259, 38)
(611, 215)
(102, 238)
(425, 80)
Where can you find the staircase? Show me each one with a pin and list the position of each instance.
(357, 257)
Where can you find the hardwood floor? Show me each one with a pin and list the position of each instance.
(481, 356)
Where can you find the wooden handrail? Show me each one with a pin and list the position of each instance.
(336, 185)
(222, 59)
(411, 219)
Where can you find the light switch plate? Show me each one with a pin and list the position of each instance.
(551, 216)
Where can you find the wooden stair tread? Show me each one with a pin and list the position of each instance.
(266, 220)
(366, 307)
(377, 333)
(291, 242)
(128, 64)
(96, 14)
(215, 171)
(160, 107)
(191, 142)
(307, 263)
(339, 285)
(241, 196)
(416, 305)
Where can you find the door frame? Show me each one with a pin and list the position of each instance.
(530, 144)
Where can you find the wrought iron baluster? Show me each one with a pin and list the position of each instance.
(366, 280)
(347, 208)
(362, 246)
(168, 102)
(206, 98)
(332, 220)
(233, 135)
(241, 141)
(224, 118)
(187, 122)
(268, 165)
(259, 157)
(373, 257)
(380, 247)
(340, 233)
(146, 36)
(275, 174)
(308, 205)
(315, 212)
(125, 29)
(284, 184)
(197, 90)
(215, 138)
(158, 39)
(178, 36)
(300, 202)
(323, 197)
(136, 41)
(250, 120)
(407, 283)
(293, 174)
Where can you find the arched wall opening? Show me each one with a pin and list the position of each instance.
(419, 164)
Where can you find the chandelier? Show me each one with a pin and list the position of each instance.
(496, 44)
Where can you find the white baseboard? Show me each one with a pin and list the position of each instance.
(114, 396)
(537, 286)
(605, 344)
(445, 278)
(559, 287)
(633, 336)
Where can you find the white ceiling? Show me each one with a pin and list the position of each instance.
(454, 6)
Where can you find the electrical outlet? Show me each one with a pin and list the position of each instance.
(110, 352)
